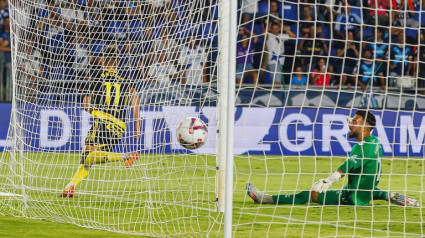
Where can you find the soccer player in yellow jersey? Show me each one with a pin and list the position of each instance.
(107, 100)
(363, 168)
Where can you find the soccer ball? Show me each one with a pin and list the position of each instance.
(192, 133)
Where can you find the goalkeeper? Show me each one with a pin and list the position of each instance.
(109, 94)
(363, 168)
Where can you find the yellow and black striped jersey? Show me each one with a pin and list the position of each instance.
(109, 91)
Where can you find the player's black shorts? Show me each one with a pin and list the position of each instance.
(106, 132)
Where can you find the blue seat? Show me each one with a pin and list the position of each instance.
(422, 18)
(97, 47)
(43, 13)
(258, 29)
(368, 32)
(208, 31)
(357, 11)
(411, 32)
(183, 31)
(159, 26)
(268, 78)
(290, 11)
(214, 54)
(214, 10)
(333, 51)
(135, 29)
(116, 29)
(45, 97)
(263, 8)
(326, 31)
(179, 8)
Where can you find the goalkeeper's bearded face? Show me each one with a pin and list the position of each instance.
(356, 126)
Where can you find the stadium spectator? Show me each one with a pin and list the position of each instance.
(162, 73)
(275, 49)
(346, 21)
(55, 30)
(164, 44)
(72, 13)
(274, 16)
(192, 61)
(334, 8)
(80, 55)
(147, 55)
(94, 21)
(369, 72)
(322, 75)
(311, 46)
(249, 7)
(30, 69)
(348, 57)
(5, 50)
(401, 56)
(246, 25)
(321, 11)
(379, 12)
(4, 11)
(244, 59)
(130, 58)
(403, 14)
(307, 20)
(379, 49)
(299, 78)
(419, 68)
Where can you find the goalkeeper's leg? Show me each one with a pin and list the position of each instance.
(263, 198)
(331, 197)
(395, 198)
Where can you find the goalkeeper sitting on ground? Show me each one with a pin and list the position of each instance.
(107, 100)
(363, 168)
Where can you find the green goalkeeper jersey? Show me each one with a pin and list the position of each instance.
(363, 168)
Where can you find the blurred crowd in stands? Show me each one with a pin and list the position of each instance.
(319, 43)
(340, 43)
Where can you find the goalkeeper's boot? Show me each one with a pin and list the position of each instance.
(403, 200)
(68, 192)
(130, 158)
(257, 196)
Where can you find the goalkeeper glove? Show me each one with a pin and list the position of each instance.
(323, 185)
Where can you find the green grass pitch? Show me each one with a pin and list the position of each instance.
(174, 195)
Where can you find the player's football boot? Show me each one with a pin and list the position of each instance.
(68, 192)
(257, 196)
(130, 158)
(403, 200)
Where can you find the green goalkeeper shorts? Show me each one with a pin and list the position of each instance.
(335, 197)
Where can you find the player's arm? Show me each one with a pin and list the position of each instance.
(323, 185)
(87, 104)
(135, 103)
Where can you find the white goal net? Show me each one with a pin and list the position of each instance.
(317, 62)
(301, 68)
(68, 94)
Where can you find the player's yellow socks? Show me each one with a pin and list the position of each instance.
(93, 157)
(97, 157)
(81, 174)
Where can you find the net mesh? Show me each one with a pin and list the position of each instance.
(302, 66)
(62, 53)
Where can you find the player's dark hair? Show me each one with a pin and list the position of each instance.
(368, 117)
(110, 55)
